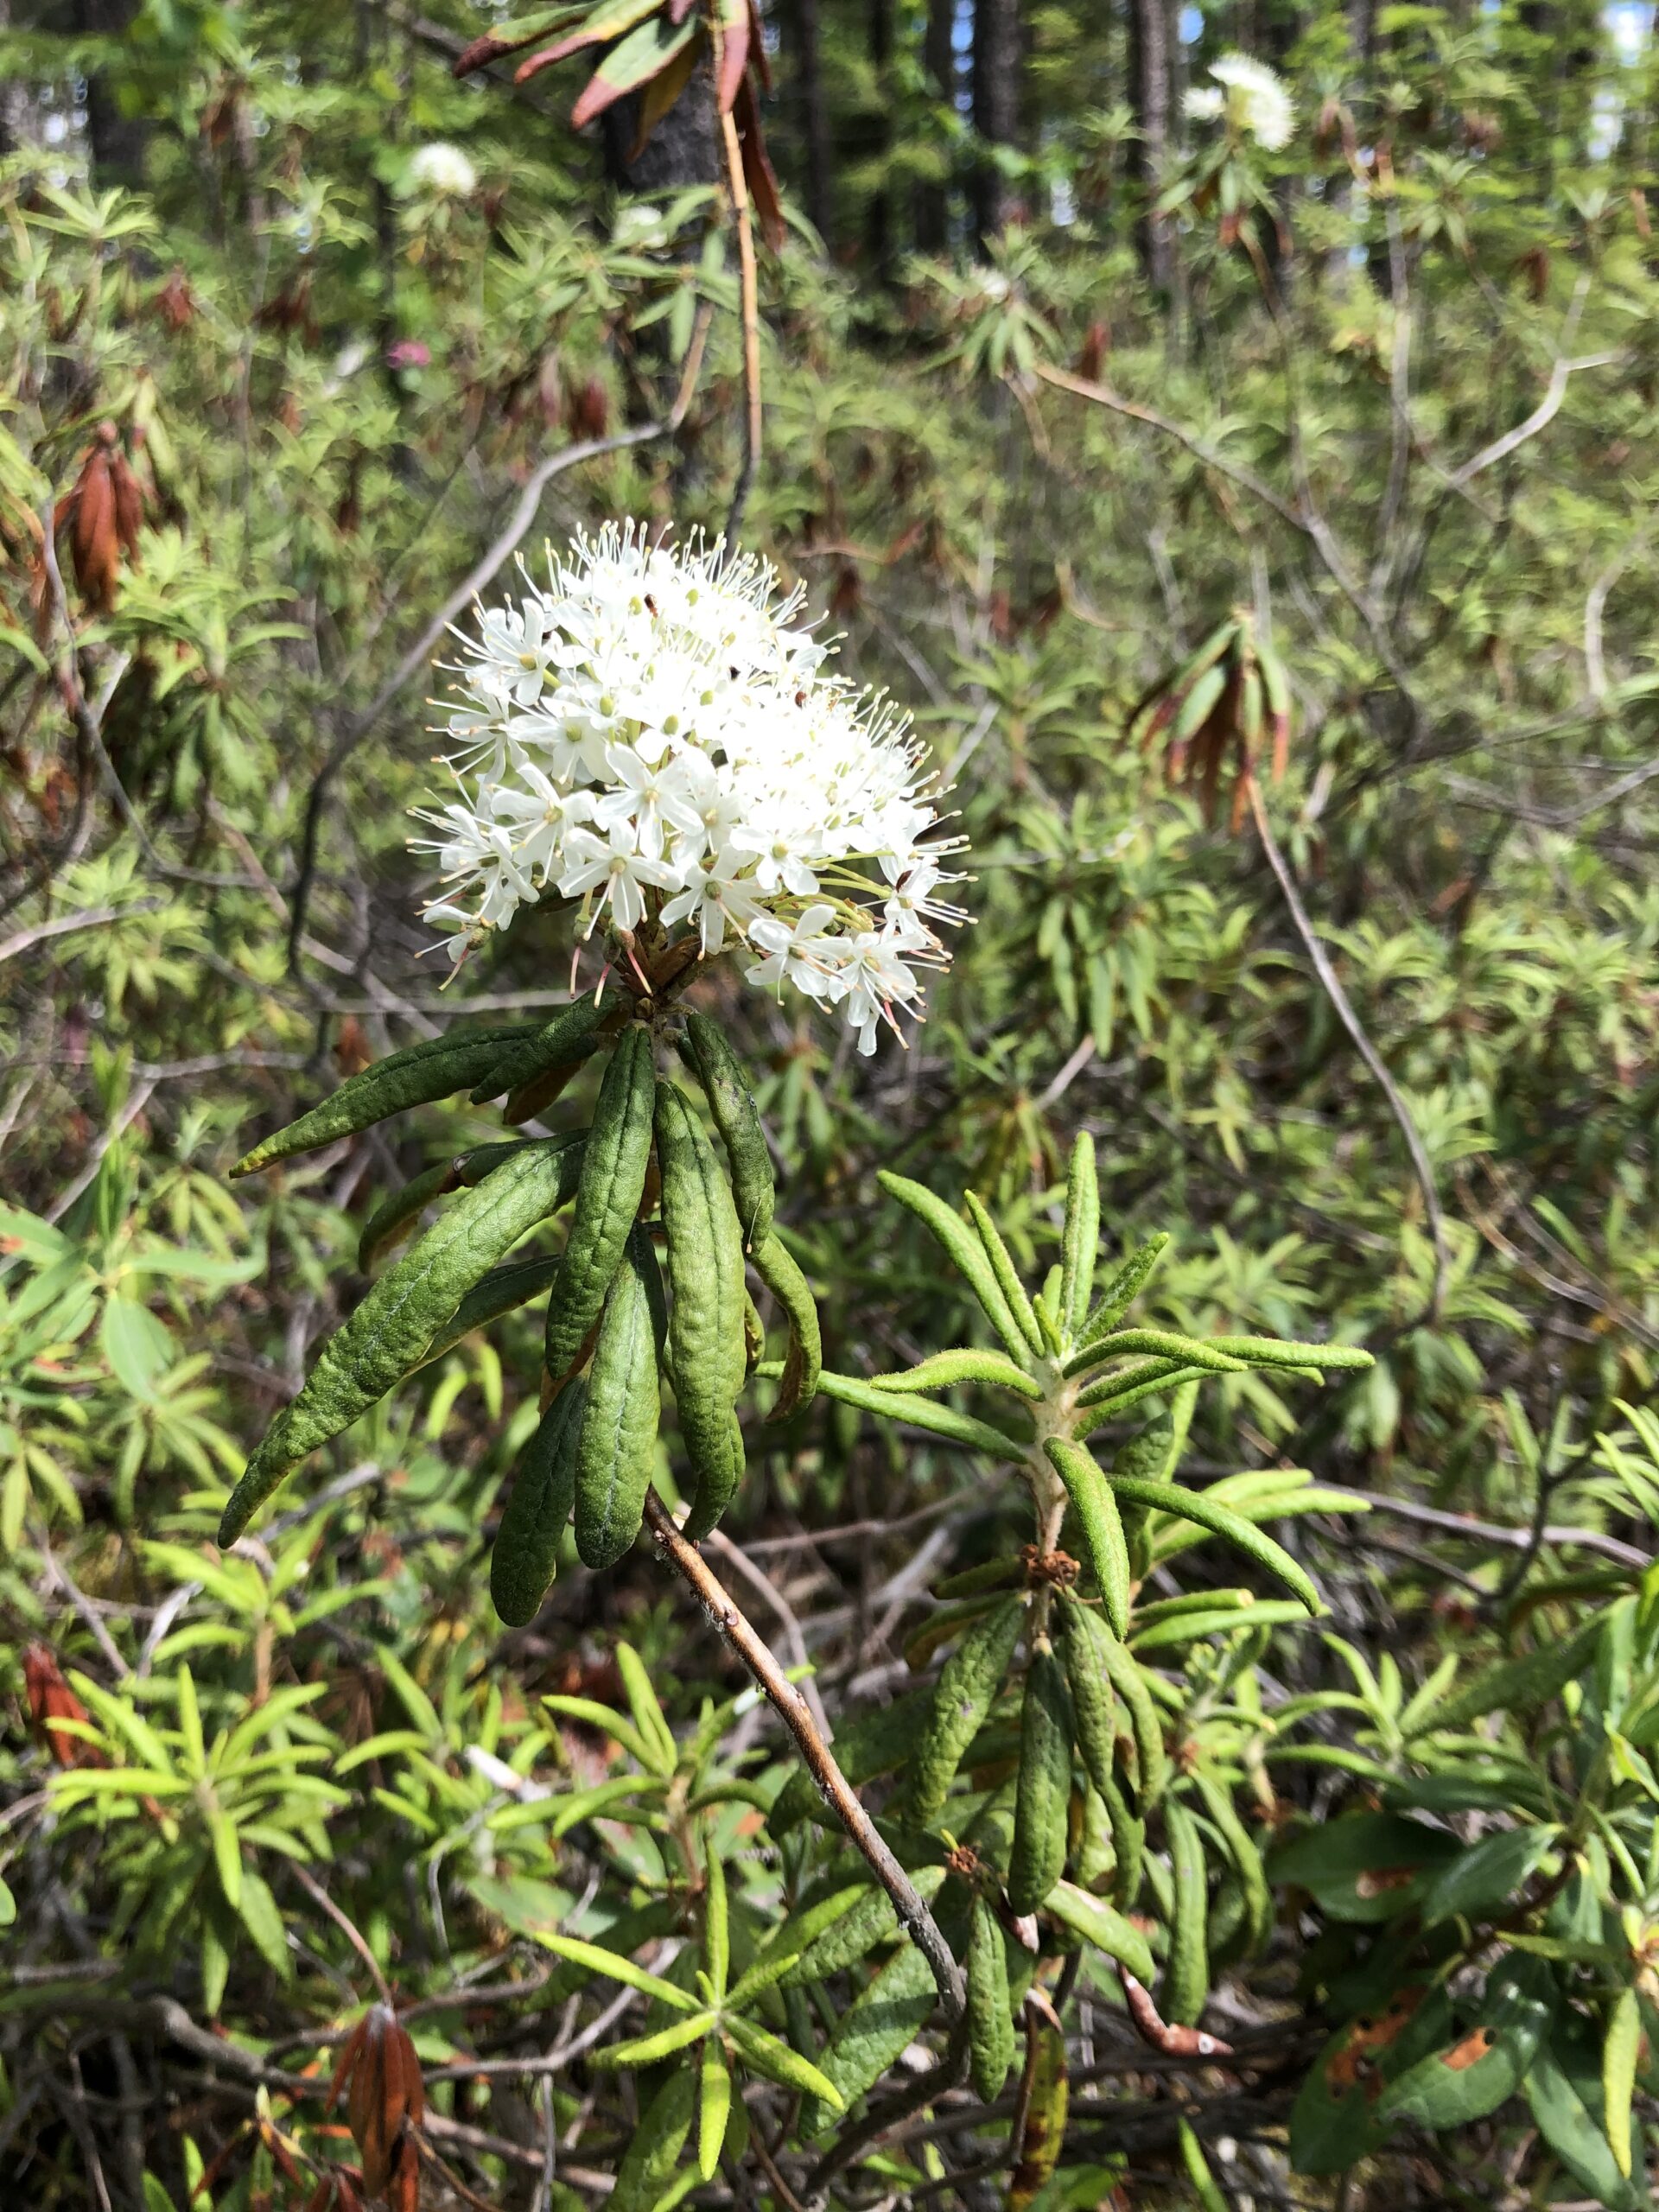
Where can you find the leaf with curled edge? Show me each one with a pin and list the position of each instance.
(385, 2097)
(641, 56)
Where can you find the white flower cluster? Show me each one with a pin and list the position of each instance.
(649, 735)
(1251, 96)
(441, 168)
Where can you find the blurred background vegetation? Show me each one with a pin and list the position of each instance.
(1054, 379)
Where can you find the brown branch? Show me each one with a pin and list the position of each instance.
(742, 1638)
(1332, 985)
(751, 310)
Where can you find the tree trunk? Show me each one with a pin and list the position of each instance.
(118, 142)
(1149, 28)
(940, 61)
(996, 109)
(878, 225)
(683, 149)
(815, 120)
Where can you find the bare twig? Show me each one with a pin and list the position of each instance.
(1333, 987)
(90, 917)
(742, 1639)
(319, 1896)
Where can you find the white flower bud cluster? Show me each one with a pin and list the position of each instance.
(442, 169)
(1250, 96)
(653, 736)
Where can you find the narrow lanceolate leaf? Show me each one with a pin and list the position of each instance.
(804, 1362)
(972, 1676)
(882, 2021)
(1187, 1973)
(1518, 1685)
(616, 1445)
(714, 2106)
(1043, 1792)
(1125, 1677)
(990, 2017)
(1110, 1393)
(386, 1336)
(527, 1552)
(1101, 1523)
(730, 1103)
(645, 2050)
(643, 1701)
(921, 1413)
(412, 1078)
(1097, 1923)
(769, 2055)
(614, 1160)
(1163, 1344)
(947, 1369)
(703, 1256)
(1247, 1861)
(1193, 1505)
(1124, 1287)
(1007, 1278)
(966, 1253)
(655, 2145)
(1279, 1352)
(716, 1925)
(612, 20)
(567, 1040)
(1618, 2059)
(641, 56)
(1080, 1243)
(614, 1967)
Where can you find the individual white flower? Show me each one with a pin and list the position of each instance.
(802, 953)
(655, 734)
(442, 169)
(1253, 98)
(871, 976)
(617, 870)
(1204, 103)
(713, 897)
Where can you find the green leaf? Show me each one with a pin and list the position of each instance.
(921, 1413)
(766, 2054)
(390, 1331)
(1101, 1524)
(1100, 1924)
(227, 1848)
(1244, 1535)
(714, 2106)
(1618, 2059)
(263, 1923)
(1518, 1686)
(965, 1251)
(645, 2050)
(617, 1969)
(1487, 1874)
(946, 1369)
(1566, 2099)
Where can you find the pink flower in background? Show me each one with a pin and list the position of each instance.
(408, 353)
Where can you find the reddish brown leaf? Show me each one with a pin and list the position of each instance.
(733, 60)
(50, 1701)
